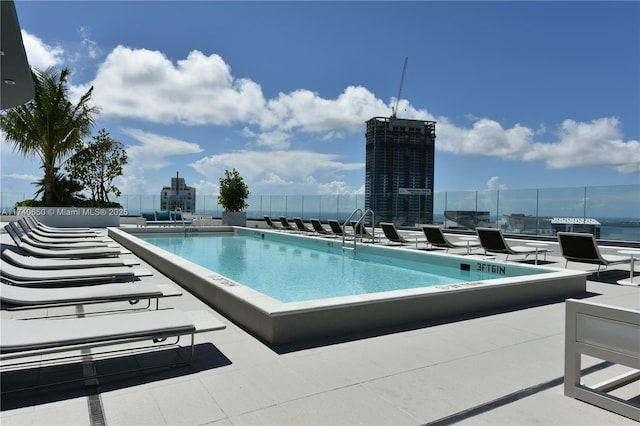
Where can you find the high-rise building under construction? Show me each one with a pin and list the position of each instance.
(399, 170)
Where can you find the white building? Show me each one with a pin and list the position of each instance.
(178, 195)
(576, 224)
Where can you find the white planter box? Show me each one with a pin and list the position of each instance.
(234, 218)
(74, 217)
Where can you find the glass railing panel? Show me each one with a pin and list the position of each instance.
(616, 208)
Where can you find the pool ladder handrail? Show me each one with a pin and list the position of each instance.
(356, 226)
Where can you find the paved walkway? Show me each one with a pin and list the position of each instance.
(499, 368)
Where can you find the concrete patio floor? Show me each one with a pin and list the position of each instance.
(497, 368)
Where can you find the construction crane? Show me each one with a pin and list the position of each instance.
(394, 109)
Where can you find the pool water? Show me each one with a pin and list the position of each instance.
(295, 272)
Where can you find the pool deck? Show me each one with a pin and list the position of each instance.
(497, 368)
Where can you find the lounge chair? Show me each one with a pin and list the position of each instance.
(318, 228)
(22, 338)
(301, 226)
(58, 237)
(360, 231)
(27, 239)
(16, 297)
(41, 226)
(583, 248)
(32, 262)
(25, 277)
(270, 223)
(285, 224)
(57, 253)
(336, 228)
(393, 236)
(436, 238)
(492, 241)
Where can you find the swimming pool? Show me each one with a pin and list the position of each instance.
(277, 322)
(299, 270)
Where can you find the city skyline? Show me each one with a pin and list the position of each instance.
(533, 94)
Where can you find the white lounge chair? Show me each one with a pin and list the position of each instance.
(57, 246)
(35, 222)
(16, 297)
(64, 277)
(68, 253)
(57, 237)
(22, 338)
(32, 262)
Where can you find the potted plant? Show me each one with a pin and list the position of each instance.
(233, 196)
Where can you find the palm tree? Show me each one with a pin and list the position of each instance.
(49, 126)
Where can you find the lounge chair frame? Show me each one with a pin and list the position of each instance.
(436, 238)
(271, 224)
(41, 226)
(608, 333)
(583, 248)
(301, 225)
(32, 262)
(393, 236)
(58, 237)
(285, 224)
(319, 229)
(61, 253)
(201, 321)
(18, 299)
(493, 241)
(336, 228)
(20, 276)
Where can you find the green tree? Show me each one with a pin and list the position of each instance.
(49, 126)
(96, 164)
(233, 192)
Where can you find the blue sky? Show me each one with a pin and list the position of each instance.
(525, 94)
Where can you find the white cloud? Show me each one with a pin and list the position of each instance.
(307, 111)
(493, 183)
(39, 54)
(275, 140)
(91, 46)
(204, 187)
(141, 84)
(26, 177)
(201, 90)
(265, 170)
(597, 143)
(145, 85)
(155, 150)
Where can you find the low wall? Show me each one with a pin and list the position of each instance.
(73, 217)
